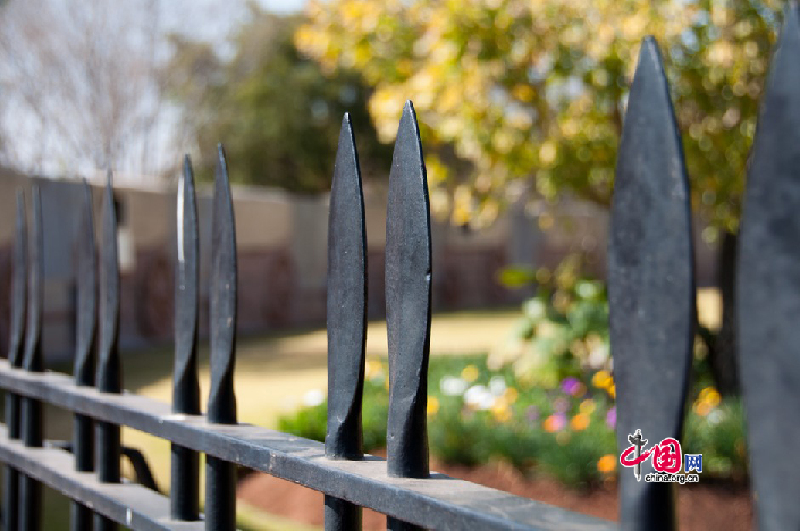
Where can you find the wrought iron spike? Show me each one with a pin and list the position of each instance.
(109, 369)
(651, 284)
(221, 475)
(15, 355)
(347, 319)
(184, 476)
(186, 388)
(768, 283)
(33, 352)
(408, 302)
(87, 294)
(19, 286)
(347, 301)
(221, 400)
(30, 491)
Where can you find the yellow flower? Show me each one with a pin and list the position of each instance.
(612, 390)
(588, 406)
(602, 379)
(373, 369)
(433, 405)
(607, 464)
(710, 396)
(511, 395)
(579, 422)
(470, 373)
(501, 411)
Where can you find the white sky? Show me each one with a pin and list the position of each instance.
(207, 20)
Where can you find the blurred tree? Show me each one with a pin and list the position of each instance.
(275, 111)
(534, 92)
(79, 84)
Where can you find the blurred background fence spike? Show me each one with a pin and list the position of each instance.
(30, 491)
(85, 359)
(15, 354)
(109, 366)
(184, 477)
(221, 475)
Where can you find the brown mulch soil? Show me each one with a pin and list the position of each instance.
(703, 506)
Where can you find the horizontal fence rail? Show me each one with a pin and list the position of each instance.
(438, 502)
(652, 318)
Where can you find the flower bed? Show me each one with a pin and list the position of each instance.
(478, 414)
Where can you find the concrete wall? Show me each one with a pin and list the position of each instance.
(282, 246)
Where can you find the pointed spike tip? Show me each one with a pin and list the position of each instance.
(222, 165)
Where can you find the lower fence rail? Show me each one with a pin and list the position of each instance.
(129, 504)
(436, 502)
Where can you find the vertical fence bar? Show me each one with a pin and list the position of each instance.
(30, 491)
(220, 504)
(651, 286)
(768, 283)
(109, 368)
(85, 363)
(347, 320)
(408, 305)
(184, 477)
(15, 354)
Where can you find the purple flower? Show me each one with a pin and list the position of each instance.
(561, 404)
(611, 417)
(571, 386)
(533, 414)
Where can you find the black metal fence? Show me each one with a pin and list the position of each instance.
(652, 320)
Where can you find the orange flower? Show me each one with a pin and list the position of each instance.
(579, 422)
(555, 422)
(607, 464)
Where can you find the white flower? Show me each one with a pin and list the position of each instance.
(479, 397)
(497, 385)
(452, 386)
(313, 398)
(598, 356)
(715, 416)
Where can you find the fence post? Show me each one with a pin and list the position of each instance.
(30, 492)
(408, 306)
(347, 320)
(220, 506)
(109, 367)
(651, 288)
(184, 477)
(85, 362)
